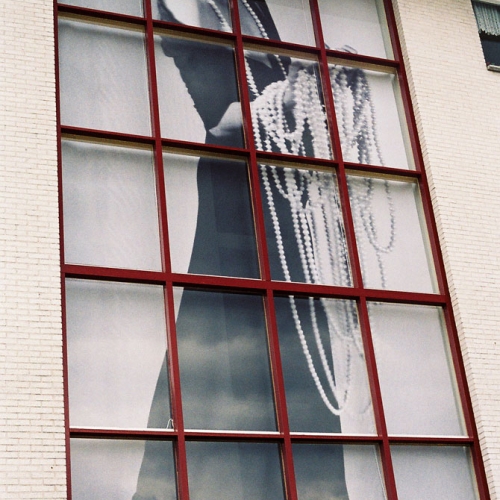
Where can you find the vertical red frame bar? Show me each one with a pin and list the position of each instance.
(172, 353)
(273, 341)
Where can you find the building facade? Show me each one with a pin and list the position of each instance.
(453, 99)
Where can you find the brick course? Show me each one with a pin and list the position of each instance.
(32, 441)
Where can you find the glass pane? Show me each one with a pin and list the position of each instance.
(355, 26)
(110, 212)
(277, 20)
(224, 362)
(234, 470)
(287, 107)
(103, 78)
(433, 472)
(324, 366)
(197, 91)
(116, 469)
(130, 7)
(210, 216)
(491, 49)
(391, 235)
(418, 390)
(371, 126)
(304, 226)
(335, 471)
(116, 345)
(211, 14)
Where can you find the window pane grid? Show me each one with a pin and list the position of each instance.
(265, 286)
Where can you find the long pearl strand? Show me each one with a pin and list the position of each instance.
(351, 90)
(315, 206)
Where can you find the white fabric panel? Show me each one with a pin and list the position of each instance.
(110, 209)
(418, 391)
(391, 213)
(360, 24)
(103, 78)
(116, 344)
(442, 472)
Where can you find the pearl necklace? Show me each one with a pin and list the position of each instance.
(351, 91)
(316, 212)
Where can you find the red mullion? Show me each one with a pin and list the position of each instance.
(185, 29)
(87, 133)
(158, 147)
(465, 399)
(172, 353)
(67, 436)
(363, 59)
(82, 432)
(279, 45)
(417, 151)
(198, 147)
(176, 396)
(248, 128)
(275, 360)
(431, 440)
(334, 438)
(279, 389)
(371, 366)
(114, 274)
(380, 170)
(336, 146)
(405, 93)
(404, 297)
(85, 12)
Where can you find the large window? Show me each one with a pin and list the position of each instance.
(255, 303)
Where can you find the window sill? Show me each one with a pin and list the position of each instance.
(493, 67)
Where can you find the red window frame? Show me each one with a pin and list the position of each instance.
(265, 286)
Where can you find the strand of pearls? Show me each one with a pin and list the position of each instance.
(315, 206)
(225, 26)
(358, 135)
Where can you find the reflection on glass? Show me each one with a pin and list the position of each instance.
(323, 366)
(304, 226)
(197, 91)
(209, 209)
(288, 114)
(391, 235)
(355, 26)
(110, 212)
(103, 78)
(130, 7)
(209, 14)
(285, 20)
(433, 472)
(108, 469)
(116, 345)
(418, 390)
(234, 471)
(224, 362)
(370, 127)
(335, 471)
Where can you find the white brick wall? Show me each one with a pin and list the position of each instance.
(456, 104)
(32, 439)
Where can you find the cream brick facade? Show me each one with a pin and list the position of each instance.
(32, 437)
(455, 101)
